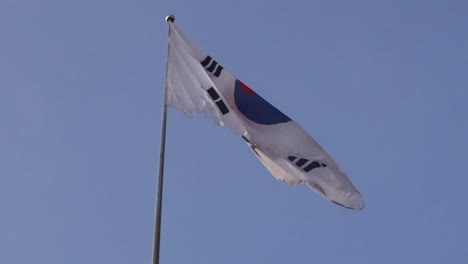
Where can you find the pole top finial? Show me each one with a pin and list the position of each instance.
(170, 18)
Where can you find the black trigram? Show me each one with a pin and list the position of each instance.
(212, 66)
(218, 100)
(305, 164)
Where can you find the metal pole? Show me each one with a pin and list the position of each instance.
(162, 150)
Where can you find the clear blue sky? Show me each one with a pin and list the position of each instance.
(381, 85)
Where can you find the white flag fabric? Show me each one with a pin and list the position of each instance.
(196, 83)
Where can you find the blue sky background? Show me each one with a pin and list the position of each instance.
(381, 85)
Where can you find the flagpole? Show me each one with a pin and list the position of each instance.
(162, 151)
